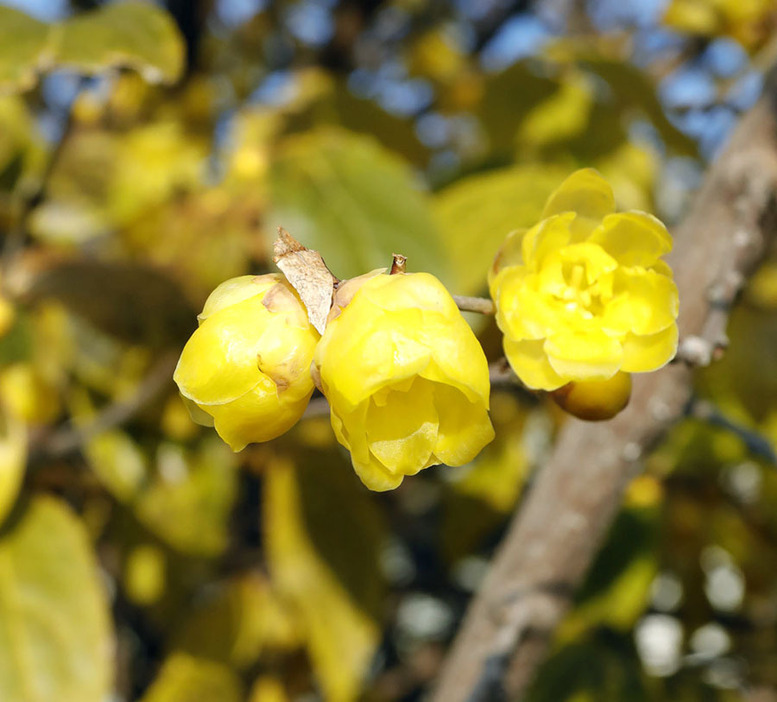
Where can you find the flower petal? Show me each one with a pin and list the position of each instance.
(579, 356)
(403, 431)
(530, 363)
(259, 415)
(464, 427)
(648, 353)
(584, 192)
(218, 363)
(644, 302)
(545, 238)
(235, 290)
(509, 254)
(633, 238)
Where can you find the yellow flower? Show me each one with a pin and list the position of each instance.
(247, 367)
(584, 294)
(406, 379)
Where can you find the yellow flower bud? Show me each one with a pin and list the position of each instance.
(584, 294)
(248, 364)
(406, 379)
(595, 400)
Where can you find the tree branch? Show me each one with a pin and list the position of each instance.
(572, 504)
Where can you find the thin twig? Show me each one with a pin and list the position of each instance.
(481, 305)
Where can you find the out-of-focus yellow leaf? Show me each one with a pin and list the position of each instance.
(55, 636)
(180, 237)
(749, 21)
(313, 544)
(144, 574)
(481, 495)
(23, 45)
(13, 462)
(616, 590)
(152, 163)
(357, 203)
(130, 33)
(476, 213)
(185, 678)
(27, 395)
(563, 115)
(434, 55)
(268, 689)
(507, 98)
(189, 502)
(183, 496)
(244, 619)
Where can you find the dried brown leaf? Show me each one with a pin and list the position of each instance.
(308, 275)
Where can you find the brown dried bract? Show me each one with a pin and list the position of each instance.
(308, 275)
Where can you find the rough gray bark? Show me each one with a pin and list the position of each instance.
(564, 520)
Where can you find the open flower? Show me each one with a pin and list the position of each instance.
(584, 294)
(406, 379)
(247, 367)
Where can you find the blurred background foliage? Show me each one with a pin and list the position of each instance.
(148, 151)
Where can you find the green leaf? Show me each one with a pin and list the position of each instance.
(184, 678)
(476, 213)
(55, 638)
(24, 42)
(589, 671)
(354, 201)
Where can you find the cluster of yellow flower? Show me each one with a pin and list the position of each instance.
(582, 299)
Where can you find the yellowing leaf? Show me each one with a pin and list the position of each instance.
(476, 213)
(184, 678)
(341, 633)
(55, 637)
(344, 195)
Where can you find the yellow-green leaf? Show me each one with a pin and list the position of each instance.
(135, 34)
(129, 34)
(23, 46)
(55, 637)
(185, 678)
(354, 201)
(475, 214)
